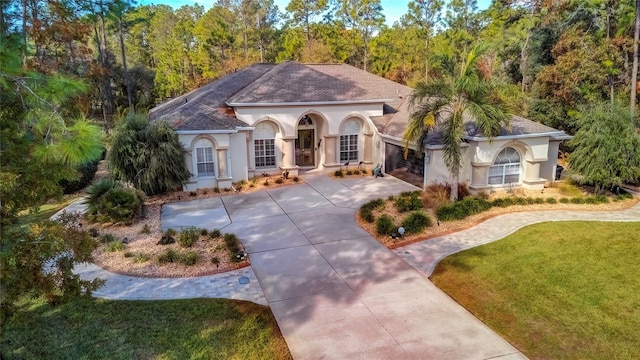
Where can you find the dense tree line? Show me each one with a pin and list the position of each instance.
(559, 55)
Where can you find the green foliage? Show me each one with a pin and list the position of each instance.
(189, 258)
(169, 256)
(552, 200)
(215, 233)
(86, 173)
(436, 195)
(38, 260)
(188, 237)
(169, 237)
(462, 209)
(97, 329)
(120, 205)
(95, 193)
(44, 137)
(445, 102)
(366, 210)
(408, 201)
(416, 222)
(385, 225)
(234, 247)
(149, 156)
(116, 246)
(338, 174)
(606, 147)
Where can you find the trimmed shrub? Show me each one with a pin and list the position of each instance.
(538, 200)
(215, 233)
(279, 180)
(169, 256)
(107, 238)
(115, 246)
(338, 173)
(188, 237)
(121, 205)
(385, 225)
(296, 179)
(577, 200)
(169, 237)
(367, 215)
(408, 201)
(189, 258)
(552, 200)
(462, 209)
(564, 200)
(373, 204)
(141, 258)
(416, 222)
(349, 172)
(233, 244)
(597, 199)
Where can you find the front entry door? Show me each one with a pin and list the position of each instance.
(305, 156)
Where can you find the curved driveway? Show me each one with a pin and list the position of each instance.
(335, 291)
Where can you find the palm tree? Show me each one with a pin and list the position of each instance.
(445, 103)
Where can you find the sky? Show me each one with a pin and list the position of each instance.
(392, 9)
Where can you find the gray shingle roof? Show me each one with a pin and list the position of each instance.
(291, 82)
(205, 108)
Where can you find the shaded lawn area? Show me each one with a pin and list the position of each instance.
(558, 290)
(172, 329)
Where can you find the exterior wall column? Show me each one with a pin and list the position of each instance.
(368, 149)
(532, 178)
(289, 157)
(224, 171)
(479, 175)
(330, 150)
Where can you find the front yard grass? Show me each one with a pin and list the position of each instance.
(565, 290)
(170, 329)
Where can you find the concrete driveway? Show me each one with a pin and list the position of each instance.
(336, 293)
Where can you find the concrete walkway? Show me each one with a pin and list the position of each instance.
(335, 291)
(425, 255)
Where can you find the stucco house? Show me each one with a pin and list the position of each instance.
(271, 118)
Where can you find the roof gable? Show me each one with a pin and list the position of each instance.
(292, 82)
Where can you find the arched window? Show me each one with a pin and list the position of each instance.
(506, 167)
(204, 158)
(264, 142)
(349, 131)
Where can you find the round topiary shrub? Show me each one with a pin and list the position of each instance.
(121, 205)
(416, 222)
(385, 225)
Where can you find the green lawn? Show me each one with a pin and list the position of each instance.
(176, 329)
(562, 290)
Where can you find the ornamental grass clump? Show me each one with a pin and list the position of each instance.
(188, 237)
(416, 222)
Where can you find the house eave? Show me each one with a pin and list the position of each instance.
(413, 144)
(310, 103)
(197, 132)
(557, 135)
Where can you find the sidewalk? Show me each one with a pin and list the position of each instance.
(425, 255)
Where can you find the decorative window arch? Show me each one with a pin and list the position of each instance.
(349, 131)
(204, 158)
(305, 120)
(264, 145)
(505, 168)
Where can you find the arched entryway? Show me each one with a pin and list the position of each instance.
(305, 145)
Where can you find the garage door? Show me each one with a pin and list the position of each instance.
(410, 169)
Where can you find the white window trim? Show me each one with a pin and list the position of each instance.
(212, 162)
(504, 173)
(264, 149)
